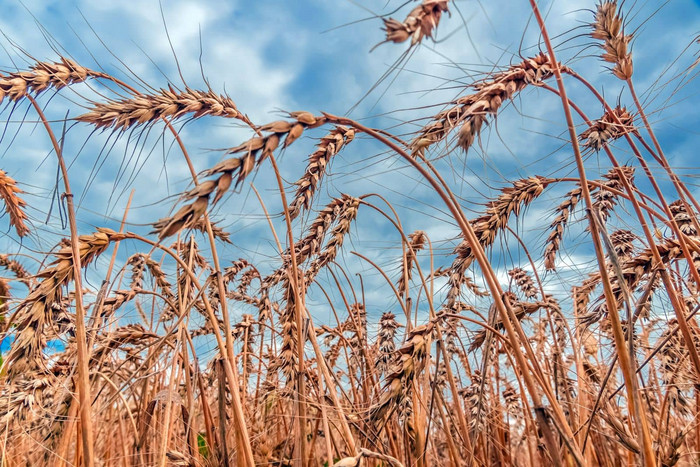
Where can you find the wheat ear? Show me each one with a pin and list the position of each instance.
(14, 205)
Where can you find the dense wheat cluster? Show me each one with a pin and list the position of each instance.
(178, 354)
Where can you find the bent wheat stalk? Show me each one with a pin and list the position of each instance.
(83, 376)
(625, 358)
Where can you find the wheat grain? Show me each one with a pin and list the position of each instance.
(14, 205)
(419, 23)
(609, 28)
(385, 340)
(511, 201)
(470, 112)
(416, 242)
(42, 76)
(410, 360)
(523, 280)
(614, 124)
(167, 103)
(330, 145)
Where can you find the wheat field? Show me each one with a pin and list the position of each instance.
(275, 313)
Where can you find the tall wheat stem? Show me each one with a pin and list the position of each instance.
(231, 371)
(231, 374)
(450, 376)
(325, 372)
(685, 247)
(625, 359)
(559, 416)
(581, 402)
(83, 373)
(298, 289)
(65, 439)
(227, 350)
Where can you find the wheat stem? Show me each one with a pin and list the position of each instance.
(83, 377)
(625, 358)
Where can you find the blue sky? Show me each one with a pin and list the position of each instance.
(314, 55)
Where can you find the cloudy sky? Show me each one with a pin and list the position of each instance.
(274, 56)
